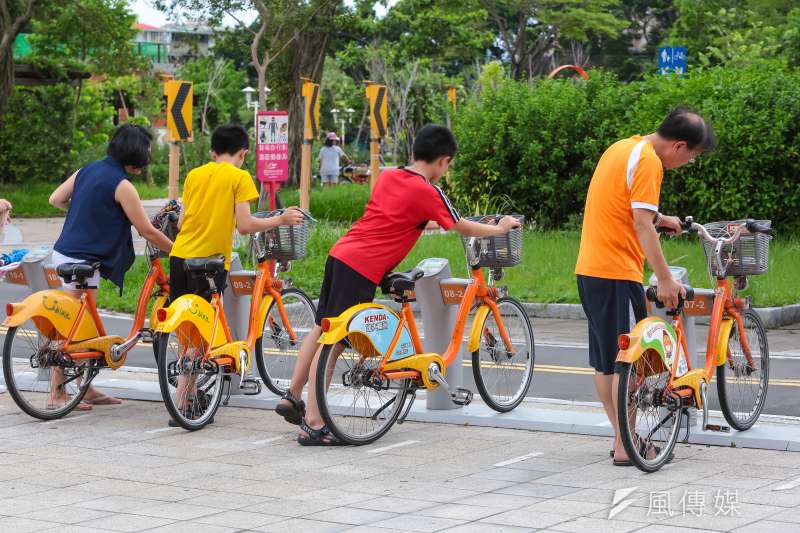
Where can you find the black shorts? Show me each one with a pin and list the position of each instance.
(182, 282)
(342, 288)
(612, 307)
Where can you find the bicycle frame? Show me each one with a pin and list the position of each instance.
(84, 336)
(646, 339)
(415, 366)
(218, 343)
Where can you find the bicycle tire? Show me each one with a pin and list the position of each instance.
(632, 448)
(726, 402)
(182, 415)
(335, 414)
(281, 368)
(482, 370)
(18, 393)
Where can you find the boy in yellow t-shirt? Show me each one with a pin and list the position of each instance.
(216, 198)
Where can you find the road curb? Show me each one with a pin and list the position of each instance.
(532, 415)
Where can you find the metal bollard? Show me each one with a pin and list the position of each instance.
(438, 319)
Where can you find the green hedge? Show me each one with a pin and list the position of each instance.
(538, 144)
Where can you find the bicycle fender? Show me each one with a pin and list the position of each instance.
(652, 337)
(195, 310)
(725, 329)
(474, 342)
(53, 312)
(371, 328)
(263, 310)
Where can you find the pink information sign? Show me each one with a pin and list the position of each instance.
(272, 146)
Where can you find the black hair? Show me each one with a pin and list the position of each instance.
(683, 124)
(432, 142)
(229, 139)
(130, 146)
(328, 142)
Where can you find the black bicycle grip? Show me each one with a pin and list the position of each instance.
(172, 216)
(652, 295)
(754, 227)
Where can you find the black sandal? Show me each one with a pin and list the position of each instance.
(293, 413)
(643, 451)
(317, 437)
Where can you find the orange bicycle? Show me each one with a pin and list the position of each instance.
(373, 359)
(56, 344)
(658, 384)
(198, 357)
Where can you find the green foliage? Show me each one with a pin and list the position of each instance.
(539, 144)
(35, 145)
(94, 35)
(342, 204)
(218, 87)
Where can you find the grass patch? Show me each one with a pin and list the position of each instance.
(342, 204)
(30, 199)
(546, 273)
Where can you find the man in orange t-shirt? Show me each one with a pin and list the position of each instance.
(619, 232)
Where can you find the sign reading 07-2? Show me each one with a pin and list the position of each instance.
(179, 109)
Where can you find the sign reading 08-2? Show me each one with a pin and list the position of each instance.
(179, 109)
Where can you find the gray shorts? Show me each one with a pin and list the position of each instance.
(330, 178)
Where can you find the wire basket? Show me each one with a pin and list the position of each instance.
(283, 243)
(500, 251)
(748, 256)
(168, 225)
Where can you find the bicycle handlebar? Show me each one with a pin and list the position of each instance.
(652, 295)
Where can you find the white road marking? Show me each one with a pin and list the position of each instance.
(271, 439)
(69, 419)
(518, 459)
(160, 430)
(392, 446)
(789, 485)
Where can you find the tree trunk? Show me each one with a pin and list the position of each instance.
(10, 25)
(308, 60)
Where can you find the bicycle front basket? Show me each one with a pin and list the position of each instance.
(748, 256)
(500, 251)
(287, 243)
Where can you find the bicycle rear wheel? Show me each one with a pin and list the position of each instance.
(502, 376)
(358, 406)
(191, 387)
(741, 385)
(648, 414)
(41, 379)
(276, 353)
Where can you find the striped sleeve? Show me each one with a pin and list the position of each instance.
(644, 181)
(441, 210)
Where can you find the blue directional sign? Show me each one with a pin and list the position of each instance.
(672, 59)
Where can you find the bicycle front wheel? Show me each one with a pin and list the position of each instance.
(190, 386)
(41, 379)
(276, 352)
(742, 382)
(357, 404)
(502, 375)
(648, 414)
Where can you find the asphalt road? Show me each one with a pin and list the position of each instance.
(560, 372)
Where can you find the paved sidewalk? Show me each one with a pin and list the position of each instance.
(122, 469)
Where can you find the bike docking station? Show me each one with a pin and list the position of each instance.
(236, 303)
(438, 320)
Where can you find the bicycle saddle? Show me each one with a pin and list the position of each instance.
(205, 265)
(77, 272)
(398, 282)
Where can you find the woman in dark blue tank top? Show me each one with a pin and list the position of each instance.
(101, 206)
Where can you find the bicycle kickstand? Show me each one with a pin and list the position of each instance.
(407, 409)
(685, 412)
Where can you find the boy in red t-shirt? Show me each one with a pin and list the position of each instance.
(401, 205)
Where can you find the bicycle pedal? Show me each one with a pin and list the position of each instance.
(461, 396)
(717, 428)
(250, 387)
(147, 336)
